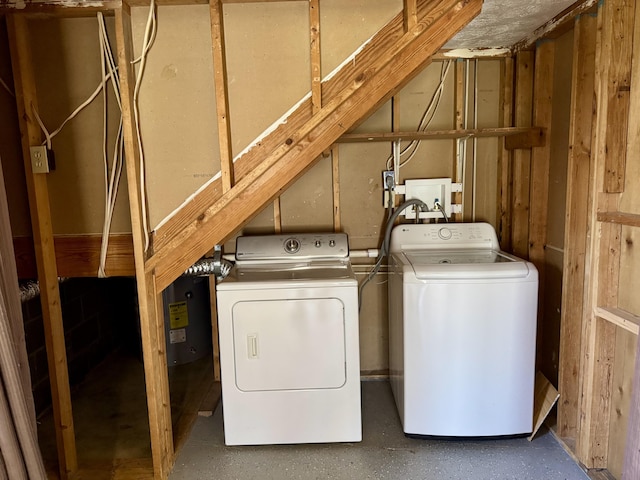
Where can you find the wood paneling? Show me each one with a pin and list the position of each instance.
(78, 256)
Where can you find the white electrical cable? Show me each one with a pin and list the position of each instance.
(111, 176)
(427, 116)
(7, 88)
(149, 37)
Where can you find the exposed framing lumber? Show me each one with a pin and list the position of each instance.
(540, 163)
(149, 296)
(603, 261)
(620, 40)
(374, 82)
(505, 157)
(222, 94)
(523, 113)
(631, 466)
(410, 12)
(444, 134)
(78, 256)
(619, 317)
(316, 59)
(335, 177)
(576, 225)
(532, 138)
(26, 100)
(620, 218)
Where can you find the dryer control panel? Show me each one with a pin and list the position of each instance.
(294, 247)
(450, 236)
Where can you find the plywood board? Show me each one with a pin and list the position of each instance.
(64, 81)
(177, 106)
(623, 370)
(629, 280)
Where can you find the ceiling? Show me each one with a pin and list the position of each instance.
(503, 23)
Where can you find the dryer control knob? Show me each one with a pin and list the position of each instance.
(444, 233)
(291, 245)
(318, 243)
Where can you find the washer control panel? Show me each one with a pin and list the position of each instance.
(303, 246)
(444, 236)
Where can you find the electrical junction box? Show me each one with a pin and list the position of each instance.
(430, 191)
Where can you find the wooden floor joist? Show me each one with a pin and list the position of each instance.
(384, 68)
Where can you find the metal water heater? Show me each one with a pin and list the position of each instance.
(187, 314)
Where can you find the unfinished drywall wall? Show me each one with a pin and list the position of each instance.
(10, 149)
(66, 63)
(267, 48)
(177, 106)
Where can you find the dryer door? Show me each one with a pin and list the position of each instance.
(289, 344)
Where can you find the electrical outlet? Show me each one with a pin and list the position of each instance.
(388, 187)
(39, 161)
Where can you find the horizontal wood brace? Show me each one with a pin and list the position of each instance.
(78, 255)
(619, 317)
(530, 138)
(620, 218)
(441, 134)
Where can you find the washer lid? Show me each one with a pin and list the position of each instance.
(452, 264)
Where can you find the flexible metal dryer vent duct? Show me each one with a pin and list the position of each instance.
(216, 265)
(30, 289)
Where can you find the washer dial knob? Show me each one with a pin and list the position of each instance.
(291, 245)
(444, 233)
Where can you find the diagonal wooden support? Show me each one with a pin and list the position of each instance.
(373, 85)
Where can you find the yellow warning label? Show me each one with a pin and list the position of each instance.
(178, 315)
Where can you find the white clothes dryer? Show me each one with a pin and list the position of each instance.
(289, 342)
(462, 332)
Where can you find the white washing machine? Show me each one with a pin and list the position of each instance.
(289, 342)
(462, 332)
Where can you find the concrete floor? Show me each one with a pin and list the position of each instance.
(385, 453)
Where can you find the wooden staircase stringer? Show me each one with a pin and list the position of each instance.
(372, 86)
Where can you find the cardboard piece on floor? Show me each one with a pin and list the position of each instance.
(545, 397)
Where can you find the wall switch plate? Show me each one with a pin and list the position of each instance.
(39, 160)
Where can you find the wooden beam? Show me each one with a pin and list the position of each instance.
(539, 180)
(619, 35)
(375, 82)
(222, 94)
(532, 138)
(37, 188)
(316, 59)
(529, 132)
(576, 224)
(410, 13)
(335, 176)
(505, 157)
(623, 319)
(604, 252)
(620, 218)
(523, 111)
(78, 256)
(149, 296)
(631, 466)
